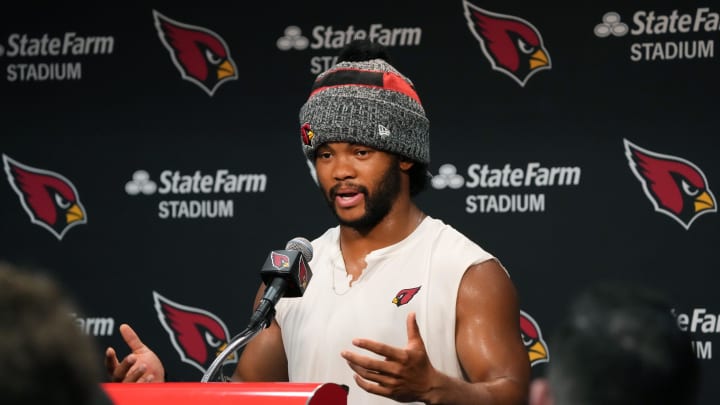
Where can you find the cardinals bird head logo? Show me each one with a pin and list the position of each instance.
(303, 275)
(532, 339)
(201, 56)
(49, 198)
(279, 261)
(197, 335)
(675, 186)
(404, 296)
(512, 45)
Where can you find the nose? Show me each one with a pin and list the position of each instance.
(343, 168)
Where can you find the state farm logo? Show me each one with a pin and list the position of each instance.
(95, 326)
(292, 39)
(702, 324)
(508, 178)
(59, 53)
(49, 198)
(176, 183)
(671, 24)
(201, 55)
(611, 25)
(511, 44)
(676, 187)
(329, 37)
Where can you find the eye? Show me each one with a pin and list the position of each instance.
(527, 341)
(214, 59)
(524, 47)
(689, 189)
(363, 152)
(324, 155)
(61, 202)
(210, 339)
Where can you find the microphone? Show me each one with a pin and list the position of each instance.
(286, 273)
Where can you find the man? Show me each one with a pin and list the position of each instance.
(619, 345)
(44, 357)
(401, 305)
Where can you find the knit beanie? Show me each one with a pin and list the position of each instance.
(366, 102)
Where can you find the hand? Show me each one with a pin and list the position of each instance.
(141, 365)
(405, 375)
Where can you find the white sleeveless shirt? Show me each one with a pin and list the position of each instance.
(419, 274)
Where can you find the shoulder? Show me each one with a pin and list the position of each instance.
(451, 245)
(329, 236)
(486, 282)
(326, 242)
(447, 235)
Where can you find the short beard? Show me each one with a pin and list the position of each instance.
(377, 206)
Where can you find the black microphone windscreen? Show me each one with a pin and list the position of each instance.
(301, 245)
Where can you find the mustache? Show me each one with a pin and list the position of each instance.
(333, 192)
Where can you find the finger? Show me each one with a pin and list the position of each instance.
(122, 368)
(375, 376)
(413, 330)
(135, 374)
(357, 361)
(389, 352)
(131, 338)
(372, 387)
(111, 360)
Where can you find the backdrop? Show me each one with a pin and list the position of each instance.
(151, 154)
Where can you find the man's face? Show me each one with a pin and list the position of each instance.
(360, 184)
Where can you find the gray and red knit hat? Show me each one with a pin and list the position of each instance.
(366, 102)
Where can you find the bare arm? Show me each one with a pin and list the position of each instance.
(488, 343)
(263, 358)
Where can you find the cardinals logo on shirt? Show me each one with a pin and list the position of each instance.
(532, 338)
(675, 186)
(201, 56)
(512, 45)
(197, 335)
(404, 296)
(49, 198)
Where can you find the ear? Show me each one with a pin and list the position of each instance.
(406, 164)
(540, 392)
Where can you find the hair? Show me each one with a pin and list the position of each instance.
(621, 345)
(44, 356)
(419, 178)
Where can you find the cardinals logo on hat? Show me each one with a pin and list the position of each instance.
(307, 134)
(512, 45)
(532, 338)
(49, 198)
(197, 335)
(404, 296)
(201, 55)
(676, 187)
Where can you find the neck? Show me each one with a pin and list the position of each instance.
(400, 222)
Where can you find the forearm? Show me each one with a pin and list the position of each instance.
(448, 390)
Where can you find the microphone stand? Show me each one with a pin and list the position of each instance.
(238, 341)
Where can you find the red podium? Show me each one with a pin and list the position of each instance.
(226, 393)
